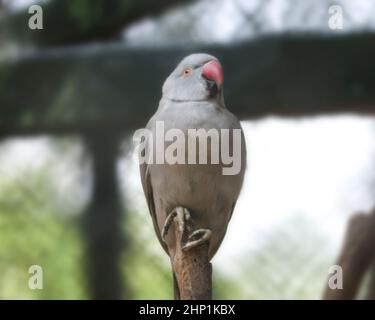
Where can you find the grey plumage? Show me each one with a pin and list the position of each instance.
(209, 195)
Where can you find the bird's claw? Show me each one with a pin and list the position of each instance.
(205, 235)
(183, 215)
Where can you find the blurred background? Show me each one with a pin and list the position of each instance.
(299, 74)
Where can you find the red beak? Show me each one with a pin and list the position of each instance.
(213, 70)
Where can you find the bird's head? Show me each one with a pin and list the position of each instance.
(198, 77)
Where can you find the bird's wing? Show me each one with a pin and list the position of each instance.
(147, 188)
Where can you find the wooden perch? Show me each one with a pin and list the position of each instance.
(356, 257)
(192, 268)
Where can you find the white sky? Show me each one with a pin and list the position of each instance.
(318, 168)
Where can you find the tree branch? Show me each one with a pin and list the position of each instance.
(356, 256)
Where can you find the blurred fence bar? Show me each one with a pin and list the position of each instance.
(102, 222)
(84, 88)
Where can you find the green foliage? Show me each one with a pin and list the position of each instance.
(34, 232)
(146, 267)
(47, 241)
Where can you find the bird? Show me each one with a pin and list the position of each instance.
(193, 98)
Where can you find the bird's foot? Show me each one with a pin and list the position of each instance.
(182, 216)
(204, 235)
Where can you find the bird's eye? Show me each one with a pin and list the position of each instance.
(188, 72)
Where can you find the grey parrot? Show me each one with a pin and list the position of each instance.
(192, 98)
